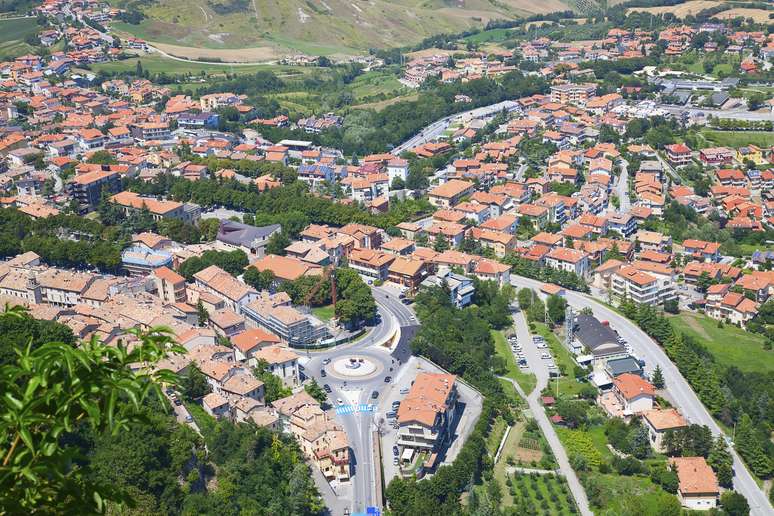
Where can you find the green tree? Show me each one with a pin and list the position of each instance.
(277, 243)
(734, 504)
(556, 306)
(441, 243)
(748, 444)
(658, 378)
(314, 390)
(51, 389)
(193, 384)
(721, 462)
(525, 297)
(202, 314)
(274, 389)
(259, 280)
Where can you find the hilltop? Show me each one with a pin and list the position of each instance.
(314, 26)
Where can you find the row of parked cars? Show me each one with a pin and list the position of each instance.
(513, 340)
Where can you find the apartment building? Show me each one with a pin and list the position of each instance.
(639, 286)
(370, 263)
(236, 294)
(570, 93)
(274, 313)
(427, 412)
(170, 285)
(408, 272)
(570, 260)
(159, 209)
(87, 188)
(450, 193)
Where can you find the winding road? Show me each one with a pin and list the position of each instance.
(683, 396)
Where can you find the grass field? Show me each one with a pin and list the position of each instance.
(204, 421)
(729, 345)
(496, 435)
(158, 64)
(758, 15)
(324, 313)
(680, 10)
(331, 27)
(375, 83)
(526, 381)
(12, 34)
(568, 385)
(738, 138)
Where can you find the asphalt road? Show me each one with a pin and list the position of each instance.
(433, 130)
(681, 393)
(359, 426)
(538, 366)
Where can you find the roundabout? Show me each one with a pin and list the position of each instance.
(355, 367)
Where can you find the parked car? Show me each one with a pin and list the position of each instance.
(188, 419)
(327, 388)
(178, 402)
(340, 401)
(545, 356)
(391, 415)
(374, 395)
(404, 390)
(387, 379)
(395, 461)
(323, 373)
(395, 451)
(327, 361)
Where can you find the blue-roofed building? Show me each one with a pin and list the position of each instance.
(761, 257)
(198, 120)
(140, 260)
(315, 174)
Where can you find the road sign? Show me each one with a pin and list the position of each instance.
(373, 511)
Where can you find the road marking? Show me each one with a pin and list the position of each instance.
(344, 410)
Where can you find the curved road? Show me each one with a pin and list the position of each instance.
(682, 393)
(359, 426)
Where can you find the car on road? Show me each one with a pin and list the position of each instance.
(404, 390)
(395, 461)
(387, 379)
(178, 402)
(395, 451)
(340, 401)
(327, 388)
(323, 373)
(188, 419)
(374, 394)
(327, 361)
(391, 415)
(413, 318)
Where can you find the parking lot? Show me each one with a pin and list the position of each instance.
(471, 399)
(517, 348)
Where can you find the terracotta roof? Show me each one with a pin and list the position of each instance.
(631, 385)
(665, 419)
(426, 399)
(248, 339)
(695, 476)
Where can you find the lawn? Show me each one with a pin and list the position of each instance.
(738, 138)
(12, 34)
(729, 345)
(324, 313)
(617, 494)
(526, 381)
(568, 385)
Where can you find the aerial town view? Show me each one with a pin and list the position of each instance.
(400, 257)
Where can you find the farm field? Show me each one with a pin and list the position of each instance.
(680, 10)
(758, 15)
(12, 34)
(729, 345)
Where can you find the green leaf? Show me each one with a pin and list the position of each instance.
(18, 405)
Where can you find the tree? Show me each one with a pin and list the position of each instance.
(277, 243)
(703, 282)
(314, 390)
(640, 442)
(262, 280)
(573, 412)
(274, 389)
(749, 447)
(658, 378)
(556, 306)
(441, 243)
(721, 462)
(53, 388)
(194, 385)
(734, 504)
(525, 297)
(202, 314)
(102, 157)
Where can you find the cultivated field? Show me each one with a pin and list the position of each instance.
(679, 10)
(758, 15)
(232, 55)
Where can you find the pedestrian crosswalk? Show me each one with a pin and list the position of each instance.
(343, 410)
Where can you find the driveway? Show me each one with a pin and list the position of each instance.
(538, 366)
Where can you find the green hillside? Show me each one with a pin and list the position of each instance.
(315, 26)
